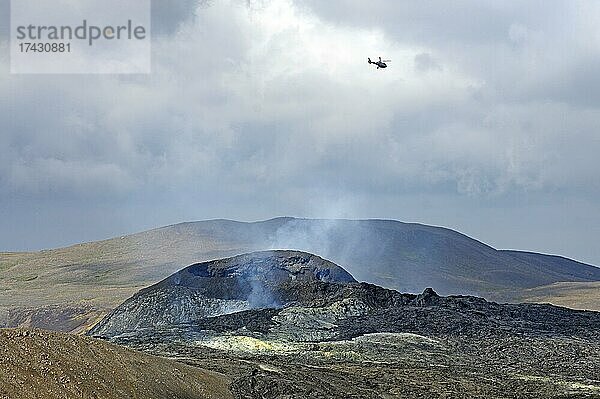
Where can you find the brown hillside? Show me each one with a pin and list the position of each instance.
(43, 365)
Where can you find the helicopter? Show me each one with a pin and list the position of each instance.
(380, 63)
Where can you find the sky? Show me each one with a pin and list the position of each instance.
(486, 121)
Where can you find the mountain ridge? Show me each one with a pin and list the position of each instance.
(90, 279)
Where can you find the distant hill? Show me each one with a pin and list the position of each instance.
(576, 295)
(46, 365)
(92, 278)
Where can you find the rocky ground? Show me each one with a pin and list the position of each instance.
(328, 336)
(397, 365)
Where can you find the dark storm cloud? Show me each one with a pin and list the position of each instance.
(577, 84)
(439, 21)
(168, 15)
(524, 51)
(424, 62)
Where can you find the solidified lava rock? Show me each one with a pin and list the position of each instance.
(267, 279)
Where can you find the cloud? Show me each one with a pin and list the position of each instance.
(264, 81)
(169, 15)
(4, 19)
(424, 62)
(261, 108)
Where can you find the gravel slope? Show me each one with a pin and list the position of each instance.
(39, 364)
